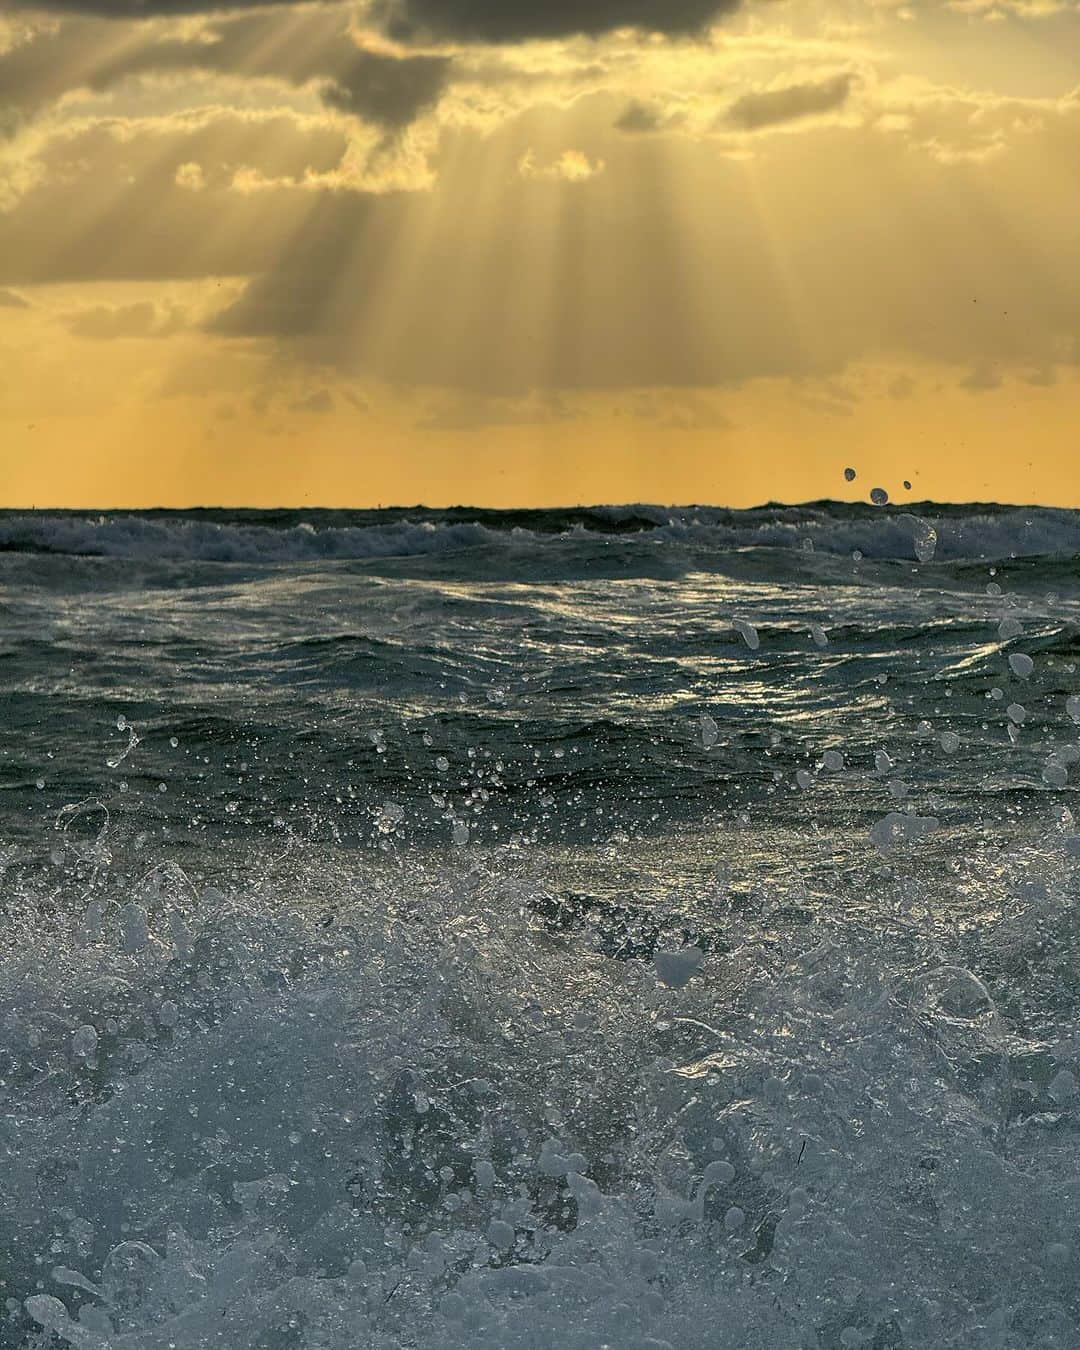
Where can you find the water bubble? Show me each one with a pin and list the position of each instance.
(710, 732)
(924, 539)
(850, 475)
(49, 1312)
(747, 632)
(130, 1271)
(1072, 707)
(389, 816)
(896, 827)
(879, 496)
(134, 927)
(907, 484)
(821, 638)
(1016, 712)
(1021, 665)
(833, 760)
(1055, 772)
(1009, 628)
(174, 741)
(950, 742)
(84, 1042)
(501, 1234)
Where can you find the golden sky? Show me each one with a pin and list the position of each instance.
(528, 252)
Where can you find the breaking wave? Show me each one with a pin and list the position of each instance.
(947, 535)
(420, 1109)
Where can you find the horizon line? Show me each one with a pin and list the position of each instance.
(886, 508)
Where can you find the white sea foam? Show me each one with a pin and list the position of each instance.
(450, 1134)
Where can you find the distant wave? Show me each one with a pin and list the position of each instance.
(944, 534)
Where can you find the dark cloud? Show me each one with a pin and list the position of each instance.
(771, 107)
(298, 47)
(390, 90)
(141, 9)
(520, 20)
(12, 300)
(457, 20)
(639, 118)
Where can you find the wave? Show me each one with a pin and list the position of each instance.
(944, 534)
(426, 1111)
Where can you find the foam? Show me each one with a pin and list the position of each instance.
(457, 1133)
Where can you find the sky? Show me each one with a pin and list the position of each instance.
(538, 252)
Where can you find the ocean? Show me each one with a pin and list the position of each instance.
(622, 927)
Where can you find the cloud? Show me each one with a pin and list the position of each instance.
(858, 241)
(773, 107)
(639, 118)
(572, 166)
(12, 300)
(390, 90)
(93, 185)
(612, 313)
(604, 298)
(141, 9)
(521, 20)
(107, 323)
(191, 176)
(299, 47)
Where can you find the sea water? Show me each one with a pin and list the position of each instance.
(622, 928)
